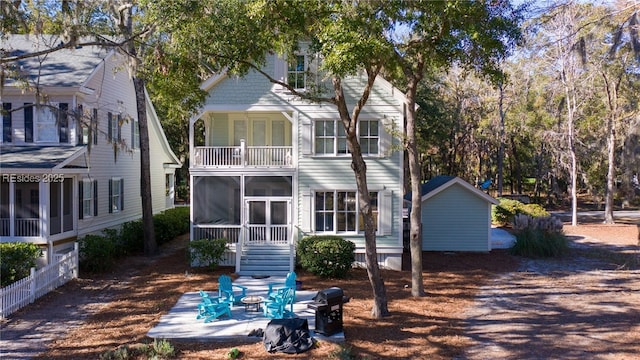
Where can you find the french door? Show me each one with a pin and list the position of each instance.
(268, 221)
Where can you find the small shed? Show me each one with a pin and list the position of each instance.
(455, 216)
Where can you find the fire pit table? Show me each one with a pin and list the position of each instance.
(252, 303)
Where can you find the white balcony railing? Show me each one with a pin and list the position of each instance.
(242, 156)
(27, 227)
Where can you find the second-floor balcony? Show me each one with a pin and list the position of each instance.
(242, 156)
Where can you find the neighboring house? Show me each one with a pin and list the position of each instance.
(455, 216)
(273, 168)
(60, 177)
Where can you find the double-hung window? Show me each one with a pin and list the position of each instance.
(297, 73)
(52, 123)
(114, 130)
(369, 136)
(339, 211)
(88, 198)
(116, 199)
(331, 139)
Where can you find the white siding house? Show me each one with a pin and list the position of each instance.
(273, 168)
(69, 152)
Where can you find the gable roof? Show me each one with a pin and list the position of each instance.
(60, 68)
(442, 182)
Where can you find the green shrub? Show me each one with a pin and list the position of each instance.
(121, 353)
(159, 349)
(537, 243)
(344, 352)
(234, 353)
(162, 349)
(326, 256)
(171, 223)
(16, 261)
(206, 252)
(97, 253)
(504, 213)
(534, 210)
(131, 237)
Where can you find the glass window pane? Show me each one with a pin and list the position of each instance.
(268, 186)
(257, 212)
(343, 147)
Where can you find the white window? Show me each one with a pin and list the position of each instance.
(369, 136)
(46, 129)
(116, 198)
(114, 130)
(330, 137)
(339, 211)
(297, 72)
(88, 198)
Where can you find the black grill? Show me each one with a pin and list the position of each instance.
(328, 306)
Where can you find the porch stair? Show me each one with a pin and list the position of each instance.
(269, 260)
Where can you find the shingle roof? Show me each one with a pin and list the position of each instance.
(431, 185)
(64, 67)
(35, 157)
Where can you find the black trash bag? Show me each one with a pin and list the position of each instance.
(290, 336)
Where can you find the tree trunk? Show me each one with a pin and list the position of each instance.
(611, 157)
(571, 107)
(612, 97)
(350, 123)
(150, 245)
(415, 232)
(501, 148)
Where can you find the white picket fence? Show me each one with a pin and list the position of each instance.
(39, 283)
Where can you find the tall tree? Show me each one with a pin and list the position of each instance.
(474, 34)
(122, 12)
(616, 69)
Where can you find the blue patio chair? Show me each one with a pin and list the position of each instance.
(276, 307)
(226, 290)
(211, 308)
(289, 282)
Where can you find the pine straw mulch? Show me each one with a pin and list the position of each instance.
(143, 289)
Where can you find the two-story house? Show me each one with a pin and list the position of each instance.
(273, 168)
(69, 151)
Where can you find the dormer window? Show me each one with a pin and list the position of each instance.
(52, 124)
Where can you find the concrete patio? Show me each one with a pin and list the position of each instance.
(180, 324)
